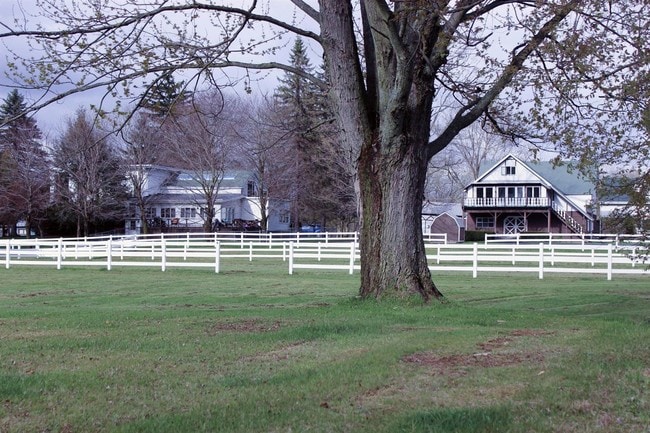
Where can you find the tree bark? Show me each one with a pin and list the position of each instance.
(394, 260)
(393, 130)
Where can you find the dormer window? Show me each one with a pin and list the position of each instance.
(508, 168)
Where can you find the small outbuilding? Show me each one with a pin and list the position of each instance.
(444, 218)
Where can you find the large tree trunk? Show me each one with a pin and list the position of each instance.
(392, 127)
(393, 260)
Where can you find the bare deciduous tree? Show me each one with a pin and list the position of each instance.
(141, 147)
(198, 138)
(262, 148)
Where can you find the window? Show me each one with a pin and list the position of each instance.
(167, 212)
(484, 192)
(484, 223)
(532, 191)
(250, 190)
(132, 225)
(502, 192)
(227, 214)
(188, 212)
(284, 218)
(508, 168)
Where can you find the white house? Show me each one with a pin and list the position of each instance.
(514, 196)
(174, 202)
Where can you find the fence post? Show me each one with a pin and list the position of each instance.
(270, 238)
(593, 256)
(319, 251)
(241, 240)
(284, 251)
(8, 254)
(59, 258)
(609, 261)
(250, 251)
(438, 256)
(163, 255)
(514, 254)
(541, 260)
(290, 258)
(217, 257)
(353, 251)
(475, 261)
(553, 256)
(109, 251)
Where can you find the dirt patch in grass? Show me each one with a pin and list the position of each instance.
(449, 365)
(246, 325)
(454, 365)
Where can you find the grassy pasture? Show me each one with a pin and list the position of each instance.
(255, 350)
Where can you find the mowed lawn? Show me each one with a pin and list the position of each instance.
(255, 350)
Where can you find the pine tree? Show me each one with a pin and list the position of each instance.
(325, 192)
(24, 169)
(164, 94)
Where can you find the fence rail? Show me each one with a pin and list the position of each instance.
(582, 239)
(325, 252)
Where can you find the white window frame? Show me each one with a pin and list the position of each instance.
(484, 222)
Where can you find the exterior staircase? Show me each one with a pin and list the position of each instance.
(567, 219)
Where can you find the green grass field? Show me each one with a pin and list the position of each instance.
(255, 350)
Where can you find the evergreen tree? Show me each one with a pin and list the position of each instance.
(325, 192)
(164, 94)
(90, 186)
(24, 169)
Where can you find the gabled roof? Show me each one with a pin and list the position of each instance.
(559, 177)
(438, 208)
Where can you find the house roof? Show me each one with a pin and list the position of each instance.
(188, 198)
(186, 178)
(561, 177)
(438, 208)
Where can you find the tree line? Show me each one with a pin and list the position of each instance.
(90, 177)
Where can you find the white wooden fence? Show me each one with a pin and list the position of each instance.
(582, 239)
(333, 251)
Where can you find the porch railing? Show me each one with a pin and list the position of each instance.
(508, 202)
